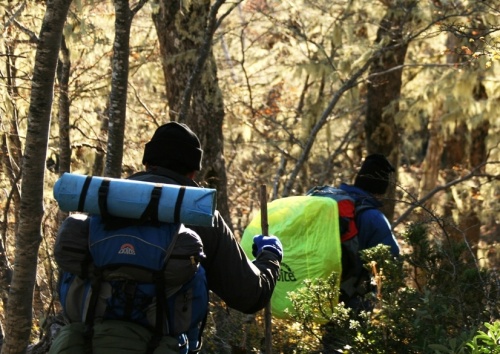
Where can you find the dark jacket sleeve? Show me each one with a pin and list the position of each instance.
(243, 285)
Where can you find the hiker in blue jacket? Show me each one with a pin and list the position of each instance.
(370, 184)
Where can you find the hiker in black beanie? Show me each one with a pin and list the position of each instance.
(374, 175)
(172, 156)
(370, 184)
(174, 145)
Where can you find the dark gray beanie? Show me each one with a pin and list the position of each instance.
(374, 174)
(174, 142)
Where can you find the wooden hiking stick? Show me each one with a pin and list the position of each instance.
(265, 232)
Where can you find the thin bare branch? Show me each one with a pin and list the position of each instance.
(420, 203)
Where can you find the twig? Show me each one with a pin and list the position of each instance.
(421, 202)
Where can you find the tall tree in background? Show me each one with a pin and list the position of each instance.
(119, 84)
(459, 124)
(181, 33)
(19, 307)
(465, 146)
(384, 87)
(63, 161)
(11, 147)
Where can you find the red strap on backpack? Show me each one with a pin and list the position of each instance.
(348, 229)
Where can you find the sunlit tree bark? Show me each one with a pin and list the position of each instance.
(119, 83)
(181, 33)
(118, 96)
(19, 308)
(62, 162)
(63, 74)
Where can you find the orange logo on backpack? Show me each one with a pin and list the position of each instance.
(127, 249)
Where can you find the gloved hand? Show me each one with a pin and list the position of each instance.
(268, 243)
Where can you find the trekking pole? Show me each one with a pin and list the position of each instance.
(265, 232)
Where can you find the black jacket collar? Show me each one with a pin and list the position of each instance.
(166, 176)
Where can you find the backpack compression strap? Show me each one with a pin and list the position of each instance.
(200, 335)
(161, 300)
(103, 198)
(178, 204)
(151, 211)
(83, 194)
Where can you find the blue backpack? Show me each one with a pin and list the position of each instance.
(126, 262)
(147, 274)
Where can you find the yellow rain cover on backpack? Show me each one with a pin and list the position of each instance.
(308, 228)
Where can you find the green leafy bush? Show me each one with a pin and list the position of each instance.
(486, 342)
(432, 300)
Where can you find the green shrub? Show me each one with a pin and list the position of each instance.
(432, 300)
(486, 342)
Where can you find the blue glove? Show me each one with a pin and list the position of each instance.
(268, 243)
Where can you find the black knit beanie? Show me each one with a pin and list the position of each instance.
(373, 177)
(174, 142)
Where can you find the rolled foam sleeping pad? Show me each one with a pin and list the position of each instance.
(129, 199)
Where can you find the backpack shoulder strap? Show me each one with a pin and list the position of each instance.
(161, 299)
(360, 207)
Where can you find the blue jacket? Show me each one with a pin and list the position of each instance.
(373, 226)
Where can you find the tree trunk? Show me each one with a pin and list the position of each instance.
(119, 86)
(435, 149)
(118, 95)
(19, 308)
(431, 163)
(471, 224)
(181, 33)
(63, 74)
(384, 89)
(466, 148)
(63, 160)
(479, 151)
(13, 142)
(469, 155)
(11, 164)
(98, 167)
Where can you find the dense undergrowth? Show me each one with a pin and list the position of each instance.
(434, 299)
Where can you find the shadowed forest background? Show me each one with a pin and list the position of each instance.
(285, 94)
